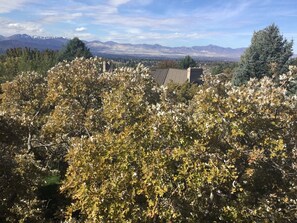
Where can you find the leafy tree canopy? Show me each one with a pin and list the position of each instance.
(219, 153)
(181, 93)
(227, 156)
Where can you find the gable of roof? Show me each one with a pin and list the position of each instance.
(164, 76)
(179, 76)
(160, 75)
(176, 75)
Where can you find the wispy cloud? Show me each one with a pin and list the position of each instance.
(8, 6)
(10, 27)
(153, 37)
(170, 22)
(82, 35)
(80, 29)
(53, 16)
(140, 22)
(118, 2)
(217, 14)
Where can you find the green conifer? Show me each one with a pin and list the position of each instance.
(268, 55)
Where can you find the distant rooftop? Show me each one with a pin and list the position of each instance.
(180, 76)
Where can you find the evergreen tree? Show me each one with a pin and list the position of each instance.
(268, 55)
(18, 60)
(187, 62)
(75, 48)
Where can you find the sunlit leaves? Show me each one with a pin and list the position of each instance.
(222, 157)
(23, 97)
(251, 127)
(20, 175)
(134, 154)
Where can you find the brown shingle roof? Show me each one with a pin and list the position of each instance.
(179, 76)
(176, 75)
(160, 75)
(164, 76)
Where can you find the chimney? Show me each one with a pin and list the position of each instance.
(104, 66)
(194, 75)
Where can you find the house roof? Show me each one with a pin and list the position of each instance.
(160, 75)
(164, 76)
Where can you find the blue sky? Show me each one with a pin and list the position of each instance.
(228, 23)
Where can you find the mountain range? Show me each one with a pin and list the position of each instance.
(111, 48)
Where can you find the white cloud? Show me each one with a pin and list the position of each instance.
(80, 29)
(134, 30)
(94, 9)
(10, 5)
(26, 27)
(153, 37)
(81, 35)
(129, 22)
(10, 27)
(108, 15)
(84, 36)
(118, 2)
(53, 16)
(198, 19)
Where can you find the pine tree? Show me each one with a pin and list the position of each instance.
(268, 55)
(187, 62)
(75, 48)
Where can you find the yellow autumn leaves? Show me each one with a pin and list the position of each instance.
(227, 154)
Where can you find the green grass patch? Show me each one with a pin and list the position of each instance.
(50, 180)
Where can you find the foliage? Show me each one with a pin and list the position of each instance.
(224, 67)
(74, 90)
(163, 64)
(187, 62)
(38, 105)
(23, 172)
(22, 101)
(20, 176)
(18, 60)
(229, 157)
(127, 150)
(293, 61)
(74, 48)
(181, 93)
(289, 80)
(268, 55)
(250, 132)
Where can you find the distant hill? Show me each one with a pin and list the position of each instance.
(23, 40)
(122, 49)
